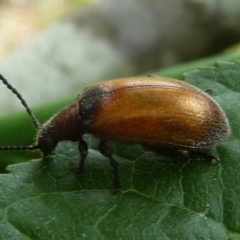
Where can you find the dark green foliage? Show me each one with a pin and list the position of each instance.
(176, 197)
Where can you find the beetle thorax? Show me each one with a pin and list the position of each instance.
(65, 125)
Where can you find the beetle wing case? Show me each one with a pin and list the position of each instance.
(157, 111)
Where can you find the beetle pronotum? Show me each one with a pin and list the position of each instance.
(158, 113)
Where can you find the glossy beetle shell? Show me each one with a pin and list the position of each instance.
(161, 112)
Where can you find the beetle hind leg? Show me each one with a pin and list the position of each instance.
(211, 159)
(105, 151)
(209, 155)
(83, 150)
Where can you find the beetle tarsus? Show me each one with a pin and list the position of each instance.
(212, 159)
(105, 151)
(209, 91)
(83, 149)
(151, 75)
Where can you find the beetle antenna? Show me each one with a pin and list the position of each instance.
(19, 148)
(24, 103)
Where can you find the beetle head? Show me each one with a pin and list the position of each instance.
(46, 139)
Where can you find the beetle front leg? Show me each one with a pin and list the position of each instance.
(83, 150)
(105, 151)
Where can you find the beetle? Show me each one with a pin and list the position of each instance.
(156, 112)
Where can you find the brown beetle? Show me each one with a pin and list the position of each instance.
(158, 113)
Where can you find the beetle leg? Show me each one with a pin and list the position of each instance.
(209, 155)
(212, 159)
(105, 151)
(83, 150)
(151, 75)
(209, 91)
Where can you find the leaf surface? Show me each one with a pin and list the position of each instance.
(178, 197)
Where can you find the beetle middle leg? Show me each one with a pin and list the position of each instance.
(83, 150)
(105, 151)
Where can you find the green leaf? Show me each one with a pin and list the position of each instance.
(163, 197)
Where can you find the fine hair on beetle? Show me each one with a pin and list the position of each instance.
(160, 114)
